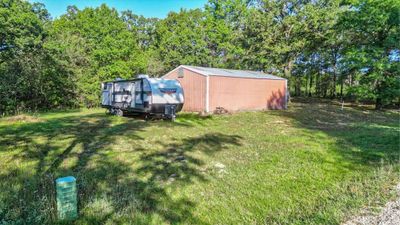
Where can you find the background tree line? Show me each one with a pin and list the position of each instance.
(346, 49)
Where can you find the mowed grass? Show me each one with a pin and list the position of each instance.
(311, 164)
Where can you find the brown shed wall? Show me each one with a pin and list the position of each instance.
(235, 94)
(194, 89)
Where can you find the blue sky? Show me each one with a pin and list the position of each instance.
(147, 8)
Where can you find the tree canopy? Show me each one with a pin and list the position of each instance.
(347, 49)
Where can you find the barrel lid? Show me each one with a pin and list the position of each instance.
(68, 179)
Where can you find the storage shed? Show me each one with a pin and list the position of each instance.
(205, 89)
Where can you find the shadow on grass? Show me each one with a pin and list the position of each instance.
(362, 137)
(191, 119)
(109, 189)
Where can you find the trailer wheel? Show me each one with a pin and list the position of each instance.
(119, 112)
(169, 118)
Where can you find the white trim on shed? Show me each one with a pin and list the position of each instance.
(206, 71)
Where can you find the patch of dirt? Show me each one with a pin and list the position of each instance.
(221, 110)
(24, 118)
(388, 215)
(220, 169)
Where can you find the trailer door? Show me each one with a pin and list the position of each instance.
(139, 94)
(133, 94)
(106, 94)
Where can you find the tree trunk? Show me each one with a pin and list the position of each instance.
(335, 57)
(325, 89)
(287, 69)
(307, 81)
(351, 79)
(378, 103)
(317, 84)
(310, 87)
(297, 88)
(333, 91)
(341, 87)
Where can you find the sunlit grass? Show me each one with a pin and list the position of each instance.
(311, 164)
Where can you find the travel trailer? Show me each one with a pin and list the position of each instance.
(151, 97)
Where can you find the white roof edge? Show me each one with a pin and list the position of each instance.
(205, 73)
(170, 72)
(188, 68)
(266, 78)
(195, 70)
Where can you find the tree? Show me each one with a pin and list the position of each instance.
(223, 24)
(374, 28)
(143, 28)
(280, 35)
(181, 40)
(318, 45)
(102, 41)
(25, 83)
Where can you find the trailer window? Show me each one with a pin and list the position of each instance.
(105, 86)
(180, 73)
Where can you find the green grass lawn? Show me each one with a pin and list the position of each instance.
(311, 164)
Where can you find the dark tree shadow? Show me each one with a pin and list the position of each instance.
(143, 190)
(276, 101)
(363, 137)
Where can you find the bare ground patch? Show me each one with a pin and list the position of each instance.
(387, 215)
(24, 118)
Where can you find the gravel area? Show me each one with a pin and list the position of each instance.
(388, 215)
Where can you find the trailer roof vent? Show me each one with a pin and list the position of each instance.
(143, 76)
(180, 72)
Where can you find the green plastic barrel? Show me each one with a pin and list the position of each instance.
(67, 208)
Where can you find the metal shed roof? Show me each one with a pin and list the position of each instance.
(207, 71)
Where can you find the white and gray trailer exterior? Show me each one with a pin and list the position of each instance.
(143, 95)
